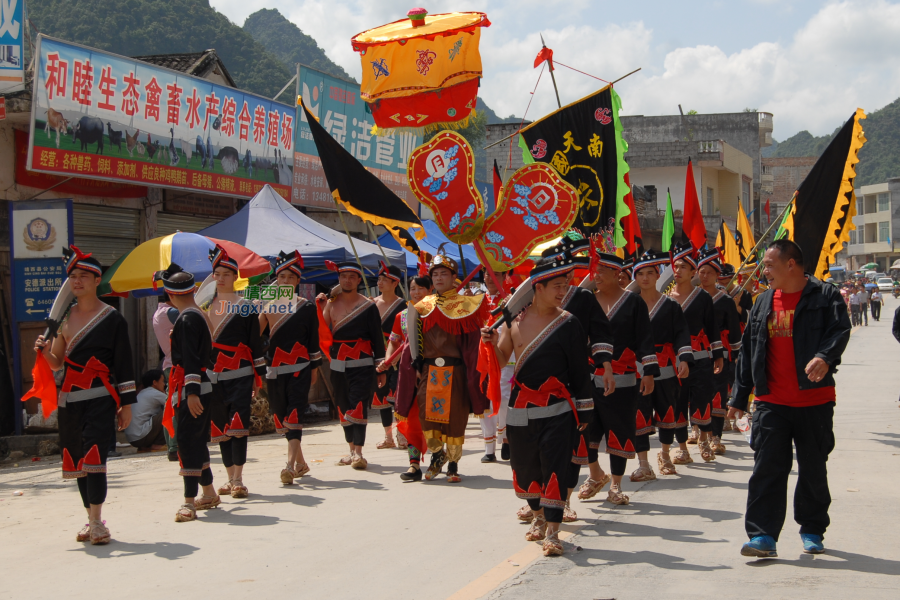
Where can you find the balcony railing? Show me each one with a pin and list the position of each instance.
(711, 147)
(766, 121)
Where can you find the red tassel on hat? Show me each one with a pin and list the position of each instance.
(331, 266)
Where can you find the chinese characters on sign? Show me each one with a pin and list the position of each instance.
(12, 32)
(103, 116)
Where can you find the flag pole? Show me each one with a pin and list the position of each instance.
(752, 252)
(386, 259)
(552, 76)
(362, 269)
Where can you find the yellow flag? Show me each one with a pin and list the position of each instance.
(745, 239)
(728, 247)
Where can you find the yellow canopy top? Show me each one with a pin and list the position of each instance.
(435, 25)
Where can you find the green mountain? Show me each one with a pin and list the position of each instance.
(142, 27)
(492, 118)
(879, 158)
(286, 42)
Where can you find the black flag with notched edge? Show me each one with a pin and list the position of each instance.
(361, 192)
(579, 141)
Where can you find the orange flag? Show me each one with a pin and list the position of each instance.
(44, 386)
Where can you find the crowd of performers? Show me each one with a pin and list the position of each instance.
(583, 367)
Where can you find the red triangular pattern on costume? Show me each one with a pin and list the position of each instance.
(552, 489)
(215, 432)
(534, 488)
(341, 415)
(629, 447)
(697, 415)
(613, 442)
(706, 414)
(68, 464)
(717, 400)
(681, 418)
(640, 422)
(92, 457)
(236, 422)
(278, 424)
(293, 419)
(376, 401)
(356, 413)
(670, 416)
(80, 465)
(516, 485)
(582, 449)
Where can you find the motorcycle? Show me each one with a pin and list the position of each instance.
(896, 292)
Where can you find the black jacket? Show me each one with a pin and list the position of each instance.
(821, 329)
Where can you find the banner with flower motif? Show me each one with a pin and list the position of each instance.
(442, 175)
(536, 205)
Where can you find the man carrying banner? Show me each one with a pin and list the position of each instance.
(672, 343)
(98, 387)
(449, 389)
(551, 397)
(238, 364)
(389, 304)
(293, 356)
(358, 348)
(697, 392)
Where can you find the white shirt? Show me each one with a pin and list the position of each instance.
(150, 402)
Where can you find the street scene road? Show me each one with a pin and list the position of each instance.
(364, 534)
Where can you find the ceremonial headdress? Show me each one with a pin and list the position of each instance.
(219, 258)
(684, 252)
(391, 272)
(727, 271)
(292, 262)
(551, 267)
(344, 267)
(651, 259)
(710, 257)
(76, 259)
(176, 288)
(628, 267)
(570, 247)
(442, 260)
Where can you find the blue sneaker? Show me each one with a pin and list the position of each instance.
(812, 543)
(762, 546)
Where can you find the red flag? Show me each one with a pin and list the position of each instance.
(545, 54)
(44, 386)
(325, 337)
(498, 184)
(766, 209)
(692, 226)
(631, 225)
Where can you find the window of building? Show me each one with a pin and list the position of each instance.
(884, 231)
(853, 237)
(745, 195)
(860, 205)
(710, 201)
(883, 203)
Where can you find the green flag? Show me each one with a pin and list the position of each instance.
(782, 231)
(527, 158)
(668, 224)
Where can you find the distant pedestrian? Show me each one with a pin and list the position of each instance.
(797, 332)
(875, 302)
(855, 317)
(863, 296)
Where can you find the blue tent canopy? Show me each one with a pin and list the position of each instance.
(269, 224)
(433, 239)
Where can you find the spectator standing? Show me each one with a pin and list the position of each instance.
(792, 346)
(863, 296)
(163, 321)
(145, 432)
(855, 318)
(875, 302)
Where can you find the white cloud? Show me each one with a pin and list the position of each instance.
(844, 56)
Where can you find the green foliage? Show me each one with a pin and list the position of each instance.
(492, 118)
(803, 144)
(289, 44)
(879, 159)
(692, 112)
(143, 27)
(751, 110)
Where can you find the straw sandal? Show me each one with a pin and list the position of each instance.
(386, 443)
(85, 534)
(205, 503)
(717, 446)
(552, 545)
(538, 529)
(239, 490)
(729, 426)
(569, 515)
(643, 473)
(300, 471)
(402, 443)
(99, 533)
(591, 488)
(694, 436)
(345, 462)
(615, 496)
(359, 463)
(706, 452)
(682, 457)
(287, 476)
(665, 465)
(226, 489)
(186, 513)
(525, 514)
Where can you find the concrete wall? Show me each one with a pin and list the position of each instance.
(788, 174)
(664, 177)
(509, 158)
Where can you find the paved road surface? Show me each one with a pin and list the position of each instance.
(348, 534)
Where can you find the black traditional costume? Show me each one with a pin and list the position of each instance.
(238, 363)
(98, 378)
(384, 398)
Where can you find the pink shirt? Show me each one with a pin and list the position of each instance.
(162, 327)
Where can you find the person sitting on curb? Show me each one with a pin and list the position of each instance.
(145, 432)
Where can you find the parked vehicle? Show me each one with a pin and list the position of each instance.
(838, 274)
(885, 284)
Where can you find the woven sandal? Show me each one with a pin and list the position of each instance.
(204, 503)
(552, 545)
(401, 441)
(359, 463)
(569, 515)
(99, 533)
(346, 461)
(591, 488)
(300, 471)
(239, 490)
(682, 457)
(225, 490)
(386, 443)
(717, 446)
(693, 437)
(617, 497)
(728, 426)
(706, 452)
(643, 474)
(85, 534)
(287, 476)
(538, 529)
(665, 465)
(186, 513)
(525, 514)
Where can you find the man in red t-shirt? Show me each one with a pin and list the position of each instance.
(791, 348)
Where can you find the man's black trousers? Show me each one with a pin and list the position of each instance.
(776, 428)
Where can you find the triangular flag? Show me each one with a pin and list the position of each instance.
(693, 229)
(668, 230)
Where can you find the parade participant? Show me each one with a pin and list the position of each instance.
(358, 348)
(697, 391)
(672, 342)
(615, 413)
(743, 300)
(419, 287)
(728, 323)
(163, 320)
(493, 427)
(98, 386)
(551, 397)
(792, 347)
(238, 364)
(389, 304)
(293, 356)
(190, 392)
(450, 380)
